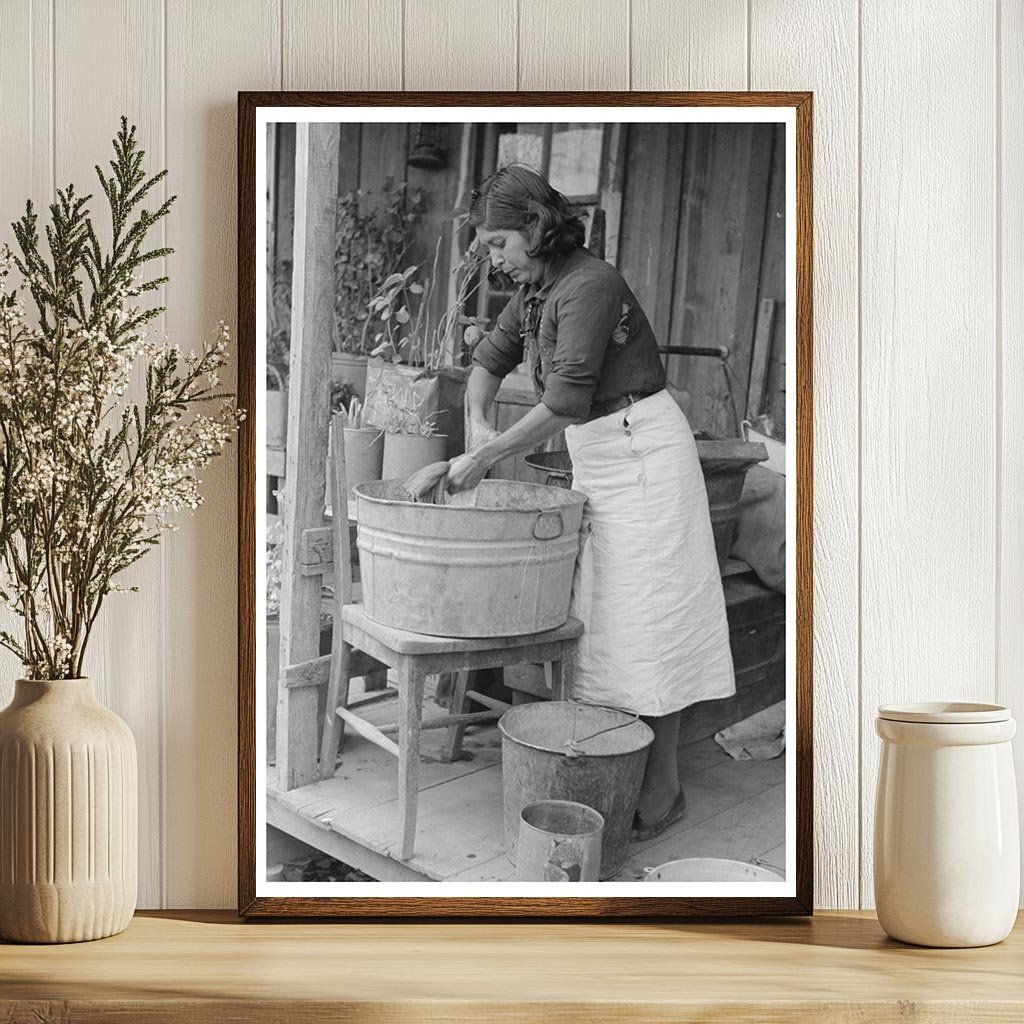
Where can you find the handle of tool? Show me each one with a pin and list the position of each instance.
(716, 352)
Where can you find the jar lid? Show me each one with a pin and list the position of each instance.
(945, 713)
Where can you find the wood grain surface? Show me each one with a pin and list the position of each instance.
(832, 75)
(469, 45)
(226, 46)
(341, 44)
(1009, 257)
(200, 967)
(575, 44)
(129, 671)
(698, 45)
(928, 369)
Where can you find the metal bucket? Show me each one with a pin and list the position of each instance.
(501, 566)
(711, 869)
(563, 750)
(559, 841)
(555, 467)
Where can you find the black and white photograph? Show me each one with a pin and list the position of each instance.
(525, 485)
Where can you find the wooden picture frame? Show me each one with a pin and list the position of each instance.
(791, 113)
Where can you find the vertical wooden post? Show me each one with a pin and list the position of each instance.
(332, 727)
(284, 200)
(613, 169)
(271, 204)
(759, 360)
(316, 187)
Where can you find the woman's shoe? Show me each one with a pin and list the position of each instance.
(640, 832)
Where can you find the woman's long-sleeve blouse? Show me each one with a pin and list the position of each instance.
(585, 336)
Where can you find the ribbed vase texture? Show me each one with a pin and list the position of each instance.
(68, 815)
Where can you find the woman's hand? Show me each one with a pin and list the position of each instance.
(464, 473)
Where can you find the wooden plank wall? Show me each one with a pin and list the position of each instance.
(696, 249)
(918, 312)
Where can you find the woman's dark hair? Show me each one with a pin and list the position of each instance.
(517, 198)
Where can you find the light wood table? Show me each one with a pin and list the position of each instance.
(209, 967)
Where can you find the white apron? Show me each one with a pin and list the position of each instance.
(647, 586)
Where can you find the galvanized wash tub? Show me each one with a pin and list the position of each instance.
(710, 869)
(495, 562)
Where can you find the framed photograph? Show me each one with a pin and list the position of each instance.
(525, 504)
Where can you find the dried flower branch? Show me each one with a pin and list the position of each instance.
(88, 478)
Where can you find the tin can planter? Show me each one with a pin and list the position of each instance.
(277, 418)
(947, 848)
(68, 815)
(364, 460)
(364, 456)
(277, 409)
(404, 454)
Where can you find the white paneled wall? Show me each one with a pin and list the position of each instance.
(919, 306)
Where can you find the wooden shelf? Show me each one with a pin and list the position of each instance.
(208, 966)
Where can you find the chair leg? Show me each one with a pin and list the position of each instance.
(337, 696)
(558, 676)
(457, 705)
(376, 680)
(411, 679)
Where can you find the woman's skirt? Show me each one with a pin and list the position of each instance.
(647, 586)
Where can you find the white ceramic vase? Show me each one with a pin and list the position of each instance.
(68, 815)
(947, 847)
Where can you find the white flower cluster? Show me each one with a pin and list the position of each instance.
(88, 474)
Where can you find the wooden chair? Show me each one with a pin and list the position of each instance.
(361, 645)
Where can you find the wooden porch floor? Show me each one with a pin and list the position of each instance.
(736, 810)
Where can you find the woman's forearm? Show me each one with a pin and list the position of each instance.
(480, 391)
(540, 424)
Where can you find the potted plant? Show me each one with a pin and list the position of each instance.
(419, 355)
(364, 450)
(372, 236)
(92, 469)
(411, 440)
(364, 445)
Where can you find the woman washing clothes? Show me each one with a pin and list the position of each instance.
(647, 585)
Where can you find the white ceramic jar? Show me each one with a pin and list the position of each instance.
(947, 847)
